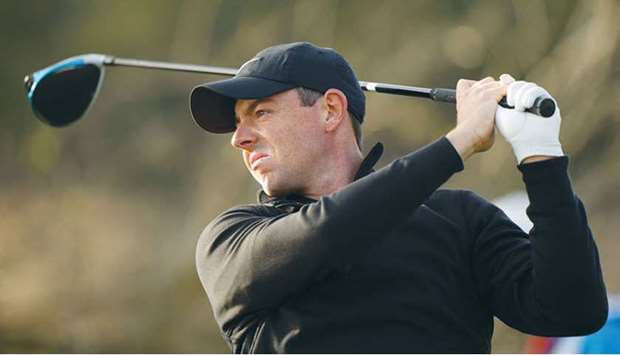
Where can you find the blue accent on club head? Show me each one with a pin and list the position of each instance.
(68, 63)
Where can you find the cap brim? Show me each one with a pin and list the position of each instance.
(213, 104)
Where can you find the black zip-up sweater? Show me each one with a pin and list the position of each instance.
(391, 264)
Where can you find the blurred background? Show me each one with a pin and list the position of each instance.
(99, 220)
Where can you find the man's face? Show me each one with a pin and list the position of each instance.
(280, 140)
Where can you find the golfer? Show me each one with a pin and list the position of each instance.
(337, 257)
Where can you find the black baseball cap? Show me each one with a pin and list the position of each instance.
(273, 70)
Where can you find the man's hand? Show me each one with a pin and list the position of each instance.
(476, 104)
(532, 137)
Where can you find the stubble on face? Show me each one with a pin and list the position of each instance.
(288, 133)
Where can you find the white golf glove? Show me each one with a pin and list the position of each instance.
(529, 134)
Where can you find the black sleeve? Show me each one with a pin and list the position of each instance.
(248, 262)
(550, 282)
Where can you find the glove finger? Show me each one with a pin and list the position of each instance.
(512, 89)
(509, 122)
(520, 96)
(507, 79)
(530, 95)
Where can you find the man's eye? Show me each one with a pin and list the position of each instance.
(260, 113)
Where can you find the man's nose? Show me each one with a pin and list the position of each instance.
(243, 138)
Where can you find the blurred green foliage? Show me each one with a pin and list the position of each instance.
(98, 221)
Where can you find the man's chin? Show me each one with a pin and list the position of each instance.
(274, 190)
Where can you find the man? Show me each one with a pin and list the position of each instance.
(337, 257)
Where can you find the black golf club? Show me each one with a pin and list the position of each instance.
(62, 93)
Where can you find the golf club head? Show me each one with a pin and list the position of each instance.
(62, 93)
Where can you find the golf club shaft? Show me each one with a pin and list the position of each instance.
(189, 68)
(543, 106)
(192, 68)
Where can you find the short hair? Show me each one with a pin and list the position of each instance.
(308, 97)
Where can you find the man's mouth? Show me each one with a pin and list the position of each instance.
(255, 158)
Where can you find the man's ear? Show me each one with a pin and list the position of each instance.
(335, 107)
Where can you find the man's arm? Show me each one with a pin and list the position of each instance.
(248, 262)
(549, 283)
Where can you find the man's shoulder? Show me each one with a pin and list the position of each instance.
(454, 197)
(240, 215)
(244, 212)
(466, 208)
(458, 205)
(251, 209)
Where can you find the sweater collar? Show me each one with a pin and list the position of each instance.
(366, 167)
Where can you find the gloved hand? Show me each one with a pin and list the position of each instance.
(529, 134)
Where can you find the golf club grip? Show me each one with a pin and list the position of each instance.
(543, 106)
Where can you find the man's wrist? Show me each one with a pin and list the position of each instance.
(536, 158)
(532, 152)
(461, 143)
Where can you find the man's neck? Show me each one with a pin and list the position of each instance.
(337, 174)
